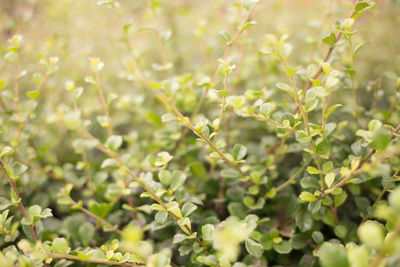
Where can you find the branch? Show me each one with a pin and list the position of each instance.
(20, 205)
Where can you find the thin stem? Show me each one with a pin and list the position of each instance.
(290, 180)
(16, 91)
(59, 256)
(198, 133)
(115, 156)
(304, 115)
(228, 47)
(223, 102)
(29, 114)
(271, 121)
(104, 105)
(20, 205)
(84, 155)
(94, 216)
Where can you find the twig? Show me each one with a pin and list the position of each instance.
(20, 205)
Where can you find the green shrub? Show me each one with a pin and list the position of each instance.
(203, 136)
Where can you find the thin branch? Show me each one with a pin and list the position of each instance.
(20, 205)
(59, 256)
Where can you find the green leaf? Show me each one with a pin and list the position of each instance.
(331, 109)
(318, 237)
(329, 179)
(5, 150)
(285, 87)
(266, 109)
(33, 94)
(114, 142)
(239, 152)
(208, 232)
(86, 233)
(381, 139)
(225, 35)
(188, 208)
(311, 104)
(284, 247)
(307, 196)
(302, 137)
(248, 4)
(358, 47)
(333, 255)
(361, 5)
(255, 249)
(165, 177)
(178, 238)
(371, 234)
(4, 203)
(60, 245)
(177, 180)
(329, 39)
(109, 163)
(198, 170)
(162, 159)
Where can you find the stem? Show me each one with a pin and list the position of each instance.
(59, 256)
(223, 101)
(290, 180)
(84, 155)
(304, 114)
(16, 91)
(198, 133)
(94, 216)
(136, 178)
(104, 105)
(228, 47)
(20, 205)
(29, 114)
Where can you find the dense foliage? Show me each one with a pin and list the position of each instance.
(199, 133)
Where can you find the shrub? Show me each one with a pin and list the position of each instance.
(157, 154)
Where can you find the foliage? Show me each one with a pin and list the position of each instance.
(199, 134)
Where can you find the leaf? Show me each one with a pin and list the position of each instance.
(109, 163)
(225, 35)
(307, 196)
(285, 87)
(266, 109)
(37, 78)
(371, 234)
(381, 139)
(361, 5)
(165, 177)
(208, 232)
(329, 179)
(178, 238)
(198, 170)
(239, 152)
(86, 233)
(329, 39)
(114, 142)
(311, 104)
(248, 4)
(60, 245)
(255, 249)
(188, 208)
(283, 247)
(177, 180)
(4, 203)
(248, 24)
(162, 159)
(331, 109)
(5, 150)
(302, 137)
(333, 255)
(358, 47)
